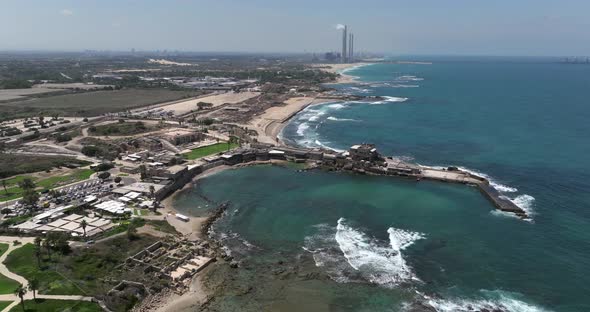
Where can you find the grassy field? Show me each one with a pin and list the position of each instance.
(89, 103)
(12, 164)
(48, 305)
(80, 272)
(209, 150)
(4, 304)
(13, 191)
(22, 261)
(7, 286)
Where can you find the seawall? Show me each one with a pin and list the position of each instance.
(331, 160)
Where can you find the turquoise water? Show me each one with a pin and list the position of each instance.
(380, 244)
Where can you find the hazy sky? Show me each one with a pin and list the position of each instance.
(490, 27)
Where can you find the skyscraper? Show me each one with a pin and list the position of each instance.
(344, 56)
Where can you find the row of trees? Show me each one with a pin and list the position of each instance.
(53, 242)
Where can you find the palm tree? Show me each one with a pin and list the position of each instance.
(38, 250)
(20, 291)
(83, 224)
(152, 191)
(34, 286)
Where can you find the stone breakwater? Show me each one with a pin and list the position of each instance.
(358, 162)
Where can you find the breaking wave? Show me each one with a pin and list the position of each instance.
(495, 184)
(390, 99)
(332, 118)
(366, 259)
(524, 201)
(498, 301)
(408, 78)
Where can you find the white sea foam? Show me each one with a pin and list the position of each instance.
(409, 78)
(376, 263)
(505, 303)
(390, 99)
(336, 106)
(525, 202)
(332, 118)
(301, 128)
(495, 184)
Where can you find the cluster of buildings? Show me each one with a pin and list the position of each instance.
(57, 220)
(213, 83)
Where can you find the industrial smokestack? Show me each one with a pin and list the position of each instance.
(344, 55)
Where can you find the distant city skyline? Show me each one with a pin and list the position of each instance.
(459, 27)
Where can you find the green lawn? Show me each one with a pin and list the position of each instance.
(209, 150)
(4, 304)
(49, 183)
(22, 261)
(48, 305)
(140, 212)
(7, 285)
(76, 176)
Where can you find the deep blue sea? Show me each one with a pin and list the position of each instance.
(387, 243)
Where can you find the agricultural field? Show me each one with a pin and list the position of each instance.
(209, 150)
(89, 103)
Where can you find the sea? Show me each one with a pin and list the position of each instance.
(327, 241)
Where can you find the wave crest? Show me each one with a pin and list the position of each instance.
(377, 264)
(499, 301)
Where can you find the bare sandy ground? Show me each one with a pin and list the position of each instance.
(183, 107)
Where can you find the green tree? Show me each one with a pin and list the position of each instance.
(132, 232)
(38, 250)
(83, 224)
(34, 286)
(30, 199)
(26, 183)
(143, 172)
(152, 192)
(104, 175)
(20, 291)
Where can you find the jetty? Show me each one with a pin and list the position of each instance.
(361, 159)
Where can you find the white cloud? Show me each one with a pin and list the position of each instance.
(66, 12)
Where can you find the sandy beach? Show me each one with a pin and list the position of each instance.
(271, 122)
(341, 69)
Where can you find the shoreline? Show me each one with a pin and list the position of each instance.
(271, 123)
(341, 69)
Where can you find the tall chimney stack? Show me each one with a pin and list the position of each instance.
(344, 55)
